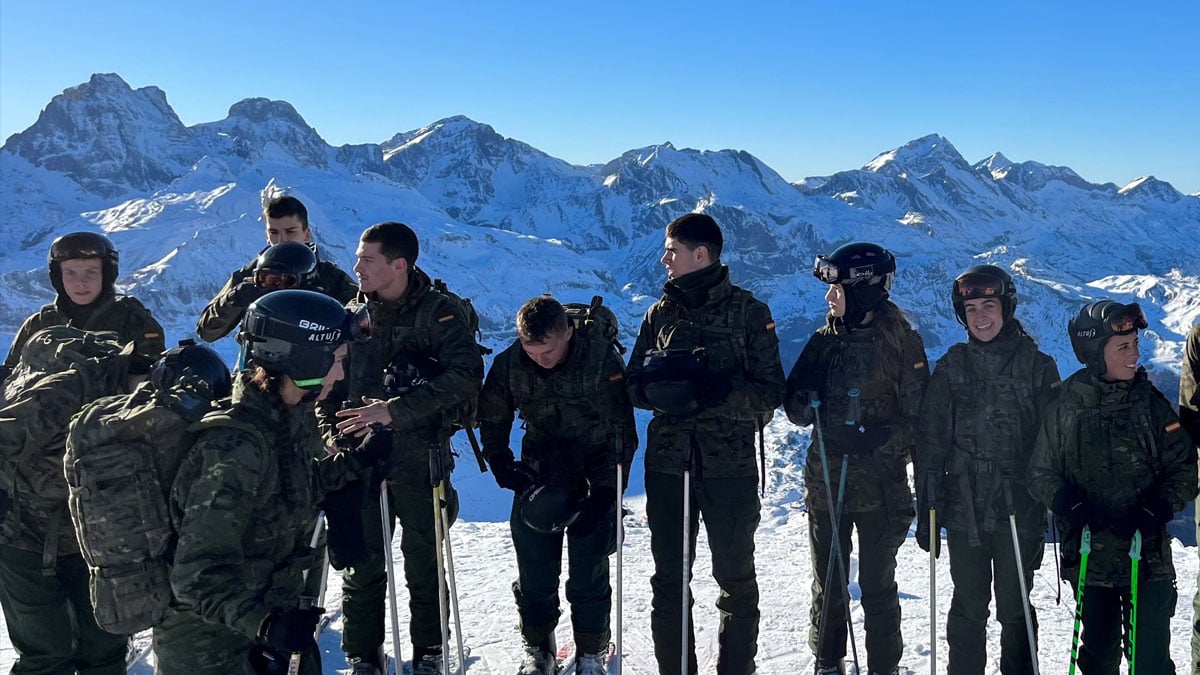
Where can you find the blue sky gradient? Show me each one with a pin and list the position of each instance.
(1109, 89)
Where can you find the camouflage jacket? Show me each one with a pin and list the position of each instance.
(243, 506)
(1189, 389)
(578, 412)
(224, 313)
(33, 437)
(979, 420)
(835, 362)
(120, 314)
(424, 323)
(1121, 444)
(738, 337)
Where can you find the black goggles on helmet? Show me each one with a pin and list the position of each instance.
(826, 270)
(1125, 319)
(976, 286)
(358, 322)
(268, 278)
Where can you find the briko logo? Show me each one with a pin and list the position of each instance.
(860, 272)
(1086, 334)
(311, 325)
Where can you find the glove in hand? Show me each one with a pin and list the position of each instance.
(291, 630)
(846, 439)
(509, 473)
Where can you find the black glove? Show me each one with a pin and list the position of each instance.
(344, 520)
(1070, 503)
(509, 473)
(291, 630)
(847, 439)
(1147, 518)
(375, 451)
(246, 292)
(713, 389)
(596, 509)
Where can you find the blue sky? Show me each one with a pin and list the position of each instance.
(1110, 89)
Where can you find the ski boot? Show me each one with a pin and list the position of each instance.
(427, 661)
(831, 667)
(539, 659)
(591, 664)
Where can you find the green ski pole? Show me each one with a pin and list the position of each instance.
(1085, 548)
(1135, 555)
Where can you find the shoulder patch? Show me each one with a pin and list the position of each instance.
(1057, 384)
(616, 377)
(771, 326)
(446, 319)
(918, 365)
(152, 335)
(1172, 427)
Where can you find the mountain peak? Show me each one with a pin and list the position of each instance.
(262, 109)
(919, 156)
(1149, 186)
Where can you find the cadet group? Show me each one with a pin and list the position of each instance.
(346, 394)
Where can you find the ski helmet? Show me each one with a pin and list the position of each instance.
(865, 271)
(983, 281)
(199, 362)
(1096, 323)
(82, 246)
(288, 264)
(406, 372)
(551, 506)
(670, 379)
(296, 333)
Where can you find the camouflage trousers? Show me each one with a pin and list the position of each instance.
(539, 566)
(50, 618)
(364, 588)
(1106, 612)
(185, 644)
(879, 537)
(1196, 607)
(730, 510)
(971, 568)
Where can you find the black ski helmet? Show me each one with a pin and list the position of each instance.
(296, 332)
(289, 264)
(405, 372)
(551, 507)
(865, 271)
(82, 246)
(670, 379)
(1096, 323)
(983, 281)
(192, 360)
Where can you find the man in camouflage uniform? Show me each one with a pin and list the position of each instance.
(415, 323)
(43, 577)
(83, 272)
(1112, 457)
(701, 309)
(287, 220)
(245, 498)
(569, 388)
(1189, 415)
(980, 417)
(867, 368)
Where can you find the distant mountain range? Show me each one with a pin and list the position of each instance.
(502, 221)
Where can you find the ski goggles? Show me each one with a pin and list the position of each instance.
(1124, 319)
(826, 270)
(358, 322)
(276, 280)
(976, 286)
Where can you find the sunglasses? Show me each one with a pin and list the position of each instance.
(1125, 319)
(358, 321)
(825, 270)
(975, 286)
(276, 280)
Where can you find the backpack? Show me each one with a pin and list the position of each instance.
(57, 349)
(123, 453)
(595, 319)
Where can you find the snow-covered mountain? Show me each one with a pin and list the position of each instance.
(503, 221)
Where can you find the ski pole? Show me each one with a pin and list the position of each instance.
(620, 553)
(386, 516)
(437, 478)
(306, 602)
(1012, 523)
(1085, 549)
(687, 563)
(1135, 555)
(445, 525)
(933, 536)
(835, 552)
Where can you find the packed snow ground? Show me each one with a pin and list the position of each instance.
(486, 567)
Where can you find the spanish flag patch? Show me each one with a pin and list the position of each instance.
(918, 365)
(446, 319)
(771, 326)
(1056, 384)
(152, 335)
(616, 377)
(1173, 426)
